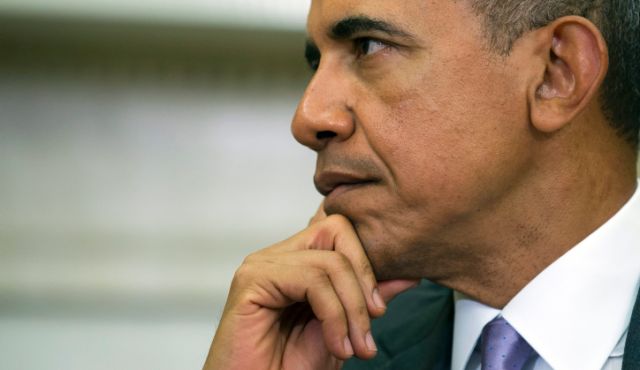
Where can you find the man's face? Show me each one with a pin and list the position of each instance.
(420, 130)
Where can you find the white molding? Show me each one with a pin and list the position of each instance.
(277, 14)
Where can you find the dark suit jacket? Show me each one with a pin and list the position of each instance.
(417, 333)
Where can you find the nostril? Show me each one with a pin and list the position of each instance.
(325, 135)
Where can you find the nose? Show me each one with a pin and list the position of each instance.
(324, 113)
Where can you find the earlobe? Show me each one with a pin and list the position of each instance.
(575, 66)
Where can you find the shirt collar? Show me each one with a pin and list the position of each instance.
(470, 317)
(575, 312)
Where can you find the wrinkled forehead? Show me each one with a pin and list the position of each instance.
(408, 14)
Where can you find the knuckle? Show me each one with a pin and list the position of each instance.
(317, 276)
(362, 311)
(338, 221)
(366, 268)
(339, 262)
(335, 313)
(359, 316)
(356, 309)
(243, 273)
(250, 258)
(336, 326)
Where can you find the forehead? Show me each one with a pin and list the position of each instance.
(420, 17)
(324, 13)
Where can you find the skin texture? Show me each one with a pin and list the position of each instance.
(471, 153)
(438, 159)
(304, 303)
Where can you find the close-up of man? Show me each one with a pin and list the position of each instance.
(477, 156)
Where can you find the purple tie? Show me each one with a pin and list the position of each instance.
(502, 347)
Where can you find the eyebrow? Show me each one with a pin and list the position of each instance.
(346, 28)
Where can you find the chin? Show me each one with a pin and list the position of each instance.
(400, 253)
(392, 248)
(387, 258)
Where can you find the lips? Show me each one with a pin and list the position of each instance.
(329, 181)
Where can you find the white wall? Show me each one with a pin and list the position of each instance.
(126, 206)
(130, 192)
(281, 14)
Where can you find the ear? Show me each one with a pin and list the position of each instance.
(576, 62)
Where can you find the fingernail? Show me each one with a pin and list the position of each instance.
(377, 299)
(371, 345)
(348, 348)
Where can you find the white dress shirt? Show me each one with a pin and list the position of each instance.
(576, 312)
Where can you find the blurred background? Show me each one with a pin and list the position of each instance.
(144, 151)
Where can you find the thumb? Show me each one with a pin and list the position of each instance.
(391, 288)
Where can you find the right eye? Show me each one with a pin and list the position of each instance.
(314, 64)
(368, 46)
(312, 55)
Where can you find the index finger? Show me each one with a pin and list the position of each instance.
(348, 244)
(319, 215)
(336, 233)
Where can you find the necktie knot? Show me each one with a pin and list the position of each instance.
(502, 347)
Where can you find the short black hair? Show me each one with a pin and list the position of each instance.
(619, 20)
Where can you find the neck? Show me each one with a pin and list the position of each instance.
(574, 193)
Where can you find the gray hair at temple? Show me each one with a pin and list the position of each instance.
(619, 20)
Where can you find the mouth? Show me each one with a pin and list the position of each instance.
(330, 182)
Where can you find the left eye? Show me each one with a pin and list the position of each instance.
(367, 46)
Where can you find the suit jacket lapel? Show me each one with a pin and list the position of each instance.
(631, 360)
(415, 333)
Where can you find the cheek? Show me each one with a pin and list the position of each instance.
(425, 145)
(445, 142)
